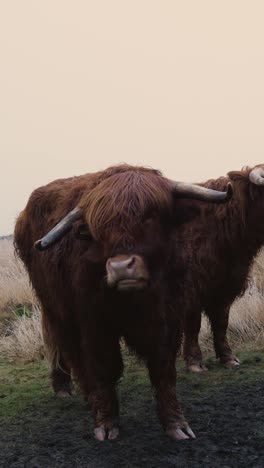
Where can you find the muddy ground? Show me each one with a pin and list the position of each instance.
(224, 408)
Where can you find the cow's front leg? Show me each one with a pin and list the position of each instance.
(163, 378)
(105, 411)
(98, 376)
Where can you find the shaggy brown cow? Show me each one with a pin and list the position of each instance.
(117, 282)
(219, 248)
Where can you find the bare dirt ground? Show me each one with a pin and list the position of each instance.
(225, 409)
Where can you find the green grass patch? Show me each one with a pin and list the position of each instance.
(23, 386)
(250, 370)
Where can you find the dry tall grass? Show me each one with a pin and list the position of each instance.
(246, 322)
(23, 340)
(15, 288)
(20, 337)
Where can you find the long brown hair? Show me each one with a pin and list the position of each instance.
(123, 199)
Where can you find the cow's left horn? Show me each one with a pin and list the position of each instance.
(59, 230)
(256, 176)
(198, 192)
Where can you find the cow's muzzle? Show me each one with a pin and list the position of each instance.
(126, 272)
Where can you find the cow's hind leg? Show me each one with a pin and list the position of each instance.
(60, 371)
(61, 378)
(218, 317)
(192, 351)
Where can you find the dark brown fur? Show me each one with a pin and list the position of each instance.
(219, 248)
(128, 209)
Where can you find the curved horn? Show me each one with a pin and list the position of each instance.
(256, 176)
(59, 230)
(198, 192)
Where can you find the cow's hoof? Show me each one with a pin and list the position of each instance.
(63, 394)
(231, 363)
(103, 433)
(180, 432)
(198, 368)
(113, 433)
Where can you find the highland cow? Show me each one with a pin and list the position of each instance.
(219, 248)
(106, 271)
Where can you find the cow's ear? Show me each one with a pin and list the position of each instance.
(184, 211)
(236, 175)
(241, 175)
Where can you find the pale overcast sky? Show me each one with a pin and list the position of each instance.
(177, 85)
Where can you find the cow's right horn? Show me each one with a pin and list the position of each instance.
(198, 192)
(59, 230)
(256, 176)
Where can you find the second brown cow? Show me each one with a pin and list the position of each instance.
(219, 248)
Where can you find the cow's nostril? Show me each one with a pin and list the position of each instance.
(131, 263)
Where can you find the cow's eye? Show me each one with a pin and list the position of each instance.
(150, 218)
(148, 221)
(83, 233)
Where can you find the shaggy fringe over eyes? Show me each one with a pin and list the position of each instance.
(122, 200)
